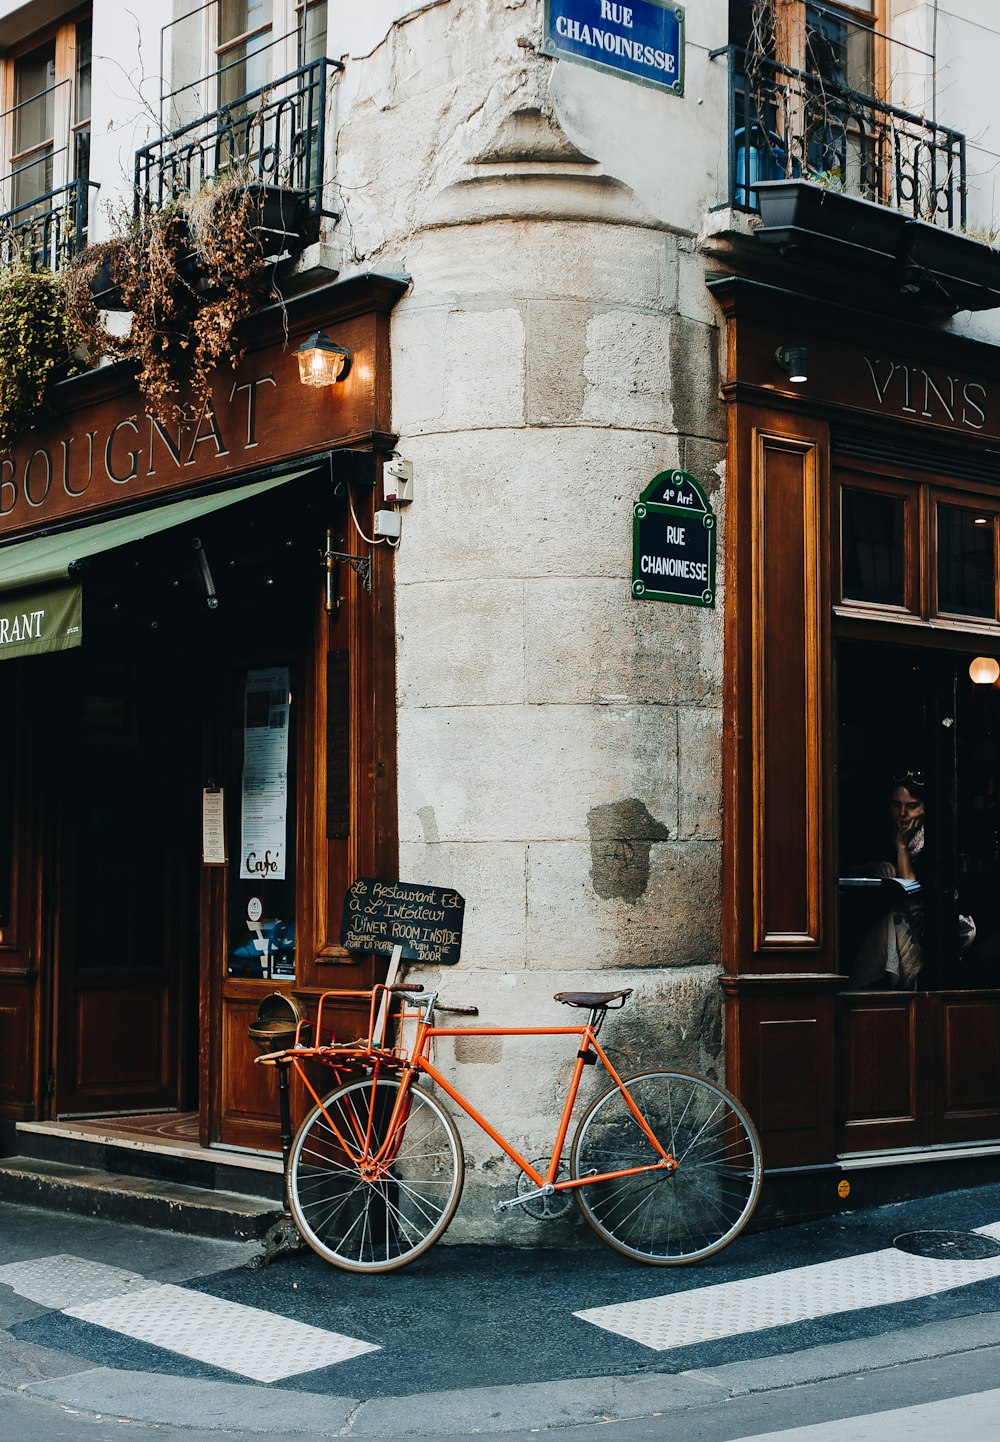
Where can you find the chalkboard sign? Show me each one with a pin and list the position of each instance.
(426, 921)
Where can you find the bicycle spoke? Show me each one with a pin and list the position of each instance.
(668, 1217)
(375, 1222)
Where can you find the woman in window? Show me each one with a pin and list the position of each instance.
(891, 953)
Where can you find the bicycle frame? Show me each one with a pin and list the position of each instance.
(417, 1061)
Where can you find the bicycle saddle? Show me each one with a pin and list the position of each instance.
(591, 998)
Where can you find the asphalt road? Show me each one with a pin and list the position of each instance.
(472, 1340)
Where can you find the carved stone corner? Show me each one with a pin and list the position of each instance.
(530, 136)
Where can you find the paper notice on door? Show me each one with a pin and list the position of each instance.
(265, 775)
(213, 827)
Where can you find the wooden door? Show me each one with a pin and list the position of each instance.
(125, 802)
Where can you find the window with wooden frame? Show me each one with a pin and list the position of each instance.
(839, 44)
(45, 125)
(915, 552)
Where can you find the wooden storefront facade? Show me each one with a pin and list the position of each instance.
(833, 685)
(129, 969)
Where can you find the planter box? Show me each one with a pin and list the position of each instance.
(104, 291)
(858, 232)
(281, 218)
(954, 270)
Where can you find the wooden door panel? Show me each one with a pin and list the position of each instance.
(16, 1045)
(883, 1064)
(120, 1047)
(249, 1092)
(788, 620)
(967, 1066)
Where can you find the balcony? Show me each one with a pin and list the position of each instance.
(789, 125)
(850, 181)
(274, 136)
(47, 232)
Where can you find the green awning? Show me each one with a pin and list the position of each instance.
(49, 618)
(41, 606)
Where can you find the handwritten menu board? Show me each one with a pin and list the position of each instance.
(426, 921)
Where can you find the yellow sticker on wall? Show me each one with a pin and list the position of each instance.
(844, 1188)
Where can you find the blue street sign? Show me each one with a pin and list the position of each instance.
(639, 39)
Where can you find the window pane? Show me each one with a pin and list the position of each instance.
(246, 67)
(238, 16)
(34, 123)
(81, 105)
(873, 547)
(839, 49)
(314, 39)
(966, 562)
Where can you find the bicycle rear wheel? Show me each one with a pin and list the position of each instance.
(668, 1218)
(375, 1206)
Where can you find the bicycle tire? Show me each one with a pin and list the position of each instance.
(668, 1218)
(379, 1222)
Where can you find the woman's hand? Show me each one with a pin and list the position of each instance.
(885, 869)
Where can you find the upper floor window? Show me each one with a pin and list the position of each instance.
(840, 44)
(311, 24)
(244, 50)
(45, 125)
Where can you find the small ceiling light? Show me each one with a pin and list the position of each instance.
(981, 521)
(984, 670)
(321, 363)
(794, 361)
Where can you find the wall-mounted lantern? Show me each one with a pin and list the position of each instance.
(321, 362)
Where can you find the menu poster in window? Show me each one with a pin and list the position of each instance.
(265, 775)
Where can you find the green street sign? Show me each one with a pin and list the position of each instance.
(673, 542)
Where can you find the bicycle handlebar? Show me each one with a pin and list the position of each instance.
(459, 1010)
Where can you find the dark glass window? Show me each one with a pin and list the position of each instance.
(840, 48)
(873, 547)
(966, 562)
(7, 740)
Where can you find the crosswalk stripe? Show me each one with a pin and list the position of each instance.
(244, 1340)
(728, 1309)
(240, 1339)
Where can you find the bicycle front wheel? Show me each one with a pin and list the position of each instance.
(369, 1194)
(668, 1218)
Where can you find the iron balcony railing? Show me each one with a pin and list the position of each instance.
(47, 232)
(787, 124)
(275, 135)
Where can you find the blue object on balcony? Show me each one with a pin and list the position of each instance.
(760, 155)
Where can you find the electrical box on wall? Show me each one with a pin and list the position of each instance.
(397, 481)
(387, 525)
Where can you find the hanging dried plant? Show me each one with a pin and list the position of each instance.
(189, 274)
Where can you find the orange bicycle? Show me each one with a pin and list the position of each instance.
(665, 1167)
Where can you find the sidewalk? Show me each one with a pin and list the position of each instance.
(156, 1327)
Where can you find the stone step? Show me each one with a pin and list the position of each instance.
(138, 1201)
(207, 1168)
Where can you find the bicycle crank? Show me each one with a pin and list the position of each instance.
(543, 1203)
